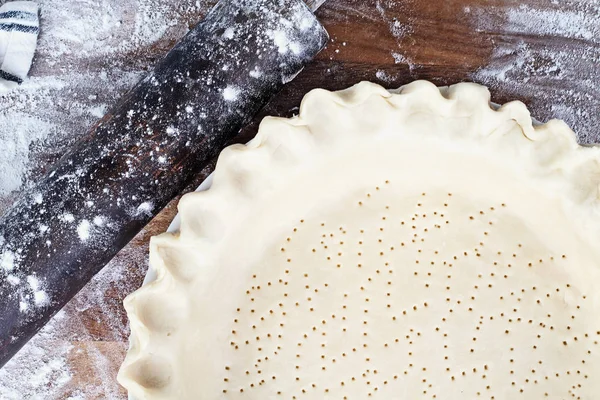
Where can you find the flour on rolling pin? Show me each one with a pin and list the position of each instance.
(141, 154)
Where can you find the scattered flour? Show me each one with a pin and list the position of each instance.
(145, 208)
(83, 230)
(98, 111)
(399, 58)
(40, 369)
(68, 217)
(384, 76)
(284, 45)
(89, 53)
(34, 283)
(40, 298)
(57, 105)
(397, 28)
(255, 73)
(44, 368)
(17, 133)
(59, 102)
(231, 93)
(579, 24)
(94, 27)
(7, 260)
(229, 33)
(387, 10)
(548, 57)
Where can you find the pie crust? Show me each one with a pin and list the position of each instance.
(411, 244)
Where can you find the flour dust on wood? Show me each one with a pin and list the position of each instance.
(89, 53)
(548, 57)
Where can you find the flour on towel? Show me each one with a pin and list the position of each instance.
(19, 28)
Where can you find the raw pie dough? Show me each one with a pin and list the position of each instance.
(408, 245)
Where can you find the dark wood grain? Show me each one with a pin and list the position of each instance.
(445, 42)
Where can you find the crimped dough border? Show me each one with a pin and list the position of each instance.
(245, 174)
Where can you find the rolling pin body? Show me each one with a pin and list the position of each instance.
(142, 154)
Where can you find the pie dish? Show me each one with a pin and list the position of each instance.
(416, 243)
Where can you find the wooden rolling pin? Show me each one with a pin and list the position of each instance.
(143, 153)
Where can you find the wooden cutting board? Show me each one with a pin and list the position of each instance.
(544, 55)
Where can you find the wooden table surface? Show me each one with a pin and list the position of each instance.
(530, 50)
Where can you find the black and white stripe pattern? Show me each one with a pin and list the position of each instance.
(19, 28)
(10, 77)
(24, 15)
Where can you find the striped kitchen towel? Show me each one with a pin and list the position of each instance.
(19, 28)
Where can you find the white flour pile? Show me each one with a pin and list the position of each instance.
(548, 58)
